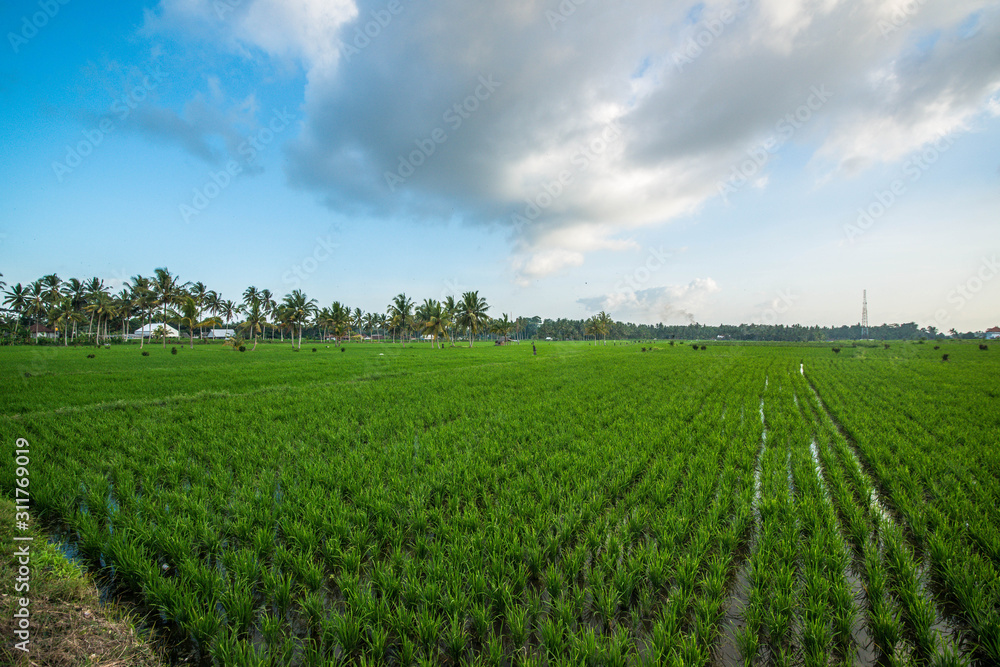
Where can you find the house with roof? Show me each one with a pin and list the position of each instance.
(220, 334)
(993, 333)
(41, 331)
(153, 329)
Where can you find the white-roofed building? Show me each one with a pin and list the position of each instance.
(153, 329)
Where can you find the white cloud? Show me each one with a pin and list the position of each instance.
(669, 304)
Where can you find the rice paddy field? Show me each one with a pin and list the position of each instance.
(591, 505)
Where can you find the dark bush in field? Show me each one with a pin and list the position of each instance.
(145, 353)
(983, 347)
(343, 349)
(937, 347)
(944, 357)
(887, 346)
(643, 349)
(243, 348)
(703, 347)
(837, 350)
(173, 350)
(91, 356)
(314, 349)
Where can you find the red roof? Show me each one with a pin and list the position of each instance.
(993, 330)
(39, 328)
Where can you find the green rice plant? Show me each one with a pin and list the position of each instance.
(748, 643)
(455, 637)
(378, 643)
(237, 600)
(428, 626)
(517, 622)
(270, 628)
(202, 623)
(885, 630)
(553, 636)
(587, 649)
(605, 603)
(312, 606)
(553, 581)
(349, 629)
(619, 649)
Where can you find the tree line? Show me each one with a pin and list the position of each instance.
(68, 305)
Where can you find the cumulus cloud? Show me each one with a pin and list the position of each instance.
(669, 304)
(573, 125)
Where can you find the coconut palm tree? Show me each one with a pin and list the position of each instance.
(436, 320)
(16, 299)
(267, 306)
(604, 323)
(298, 308)
(358, 319)
(101, 307)
(472, 313)
(400, 313)
(228, 310)
(188, 316)
(125, 308)
(255, 317)
(371, 321)
(169, 290)
(199, 291)
(78, 298)
(62, 315)
(144, 301)
(503, 326)
(52, 288)
(37, 304)
(340, 319)
(92, 288)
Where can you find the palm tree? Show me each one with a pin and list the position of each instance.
(228, 310)
(358, 319)
(472, 313)
(298, 309)
(340, 319)
(199, 291)
(400, 313)
(101, 306)
(91, 289)
(255, 317)
(604, 323)
(125, 308)
(51, 285)
(168, 290)
(371, 321)
(436, 320)
(188, 316)
(267, 306)
(144, 300)
(77, 292)
(17, 299)
(62, 315)
(503, 326)
(36, 301)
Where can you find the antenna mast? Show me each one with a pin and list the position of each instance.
(864, 315)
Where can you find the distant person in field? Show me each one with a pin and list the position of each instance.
(534, 350)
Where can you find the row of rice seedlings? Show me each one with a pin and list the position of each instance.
(918, 610)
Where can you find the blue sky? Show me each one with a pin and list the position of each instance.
(560, 158)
